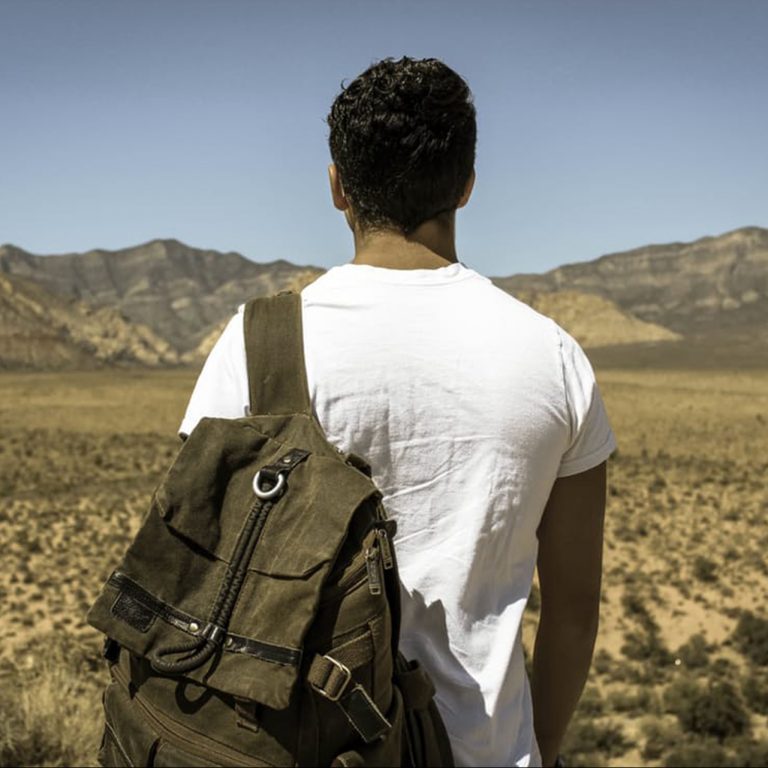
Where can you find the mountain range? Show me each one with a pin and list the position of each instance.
(164, 302)
(40, 329)
(177, 291)
(712, 287)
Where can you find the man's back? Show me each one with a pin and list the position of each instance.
(468, 405)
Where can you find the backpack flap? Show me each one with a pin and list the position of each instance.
(161, 602)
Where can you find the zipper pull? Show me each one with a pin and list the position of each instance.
(386, 549)
(373, 567)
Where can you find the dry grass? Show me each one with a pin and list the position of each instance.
(685, 540)
(50, 704)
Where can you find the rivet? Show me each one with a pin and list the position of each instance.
(287, 460)
(193, 626)
(229, 642)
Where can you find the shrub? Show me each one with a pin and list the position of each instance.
(680, 693)
(750, 754)
(705, 569)
(694, 653)
(751, 637)
(754, 688)
(660, 737)
(716, 711)
(602, 662)
(723, 669)
(586, 740)
(591, 702)
(698, 754)
(642, 700)
(646, 645)
(623, 532)
(634, 606)
(731, 554)
(647, 674)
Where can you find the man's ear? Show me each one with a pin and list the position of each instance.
(467, 191)
(337, 191)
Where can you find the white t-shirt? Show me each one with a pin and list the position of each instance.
(468, 405)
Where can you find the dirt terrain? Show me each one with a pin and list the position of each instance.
(680, 675)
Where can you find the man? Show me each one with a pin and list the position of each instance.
(481, 419)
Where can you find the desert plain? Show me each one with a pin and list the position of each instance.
(680, 673)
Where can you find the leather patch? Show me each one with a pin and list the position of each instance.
(132, 612)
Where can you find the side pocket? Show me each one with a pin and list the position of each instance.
(426, 740)
(128, 738)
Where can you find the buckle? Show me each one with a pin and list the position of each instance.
(337, 690)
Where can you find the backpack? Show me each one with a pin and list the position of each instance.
(254, 620)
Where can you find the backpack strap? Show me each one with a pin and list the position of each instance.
(274, 352)
(331, 679)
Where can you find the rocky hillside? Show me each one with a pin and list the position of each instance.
(715, 286)
(179, 292)
(39, 329)
(594, 321)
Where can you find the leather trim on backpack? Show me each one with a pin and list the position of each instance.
(231, 643)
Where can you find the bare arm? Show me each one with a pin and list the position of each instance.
(570, 568)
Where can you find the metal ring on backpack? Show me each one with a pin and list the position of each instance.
(272, 492)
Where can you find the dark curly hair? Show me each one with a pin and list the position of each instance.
(403, 137)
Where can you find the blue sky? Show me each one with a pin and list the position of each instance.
(601, 125)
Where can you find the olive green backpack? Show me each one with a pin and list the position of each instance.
(254, 619)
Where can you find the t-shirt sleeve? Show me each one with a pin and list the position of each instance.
(591, 440)
(221, 390)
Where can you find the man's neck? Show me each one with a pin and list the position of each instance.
(431, 246)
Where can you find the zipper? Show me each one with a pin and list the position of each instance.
(187, 739)
(376, 554)
(373, 566)
(386, 549)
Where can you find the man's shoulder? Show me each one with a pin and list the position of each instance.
(515, 313)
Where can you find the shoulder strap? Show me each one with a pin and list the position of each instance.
(274, 351)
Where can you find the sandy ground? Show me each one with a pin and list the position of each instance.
(81, 452)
